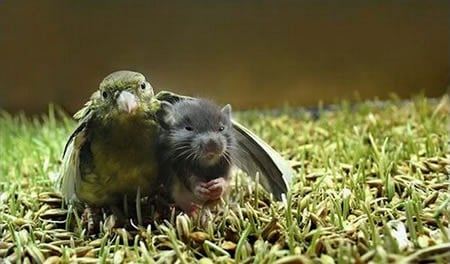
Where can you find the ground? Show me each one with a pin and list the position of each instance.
(371, 185)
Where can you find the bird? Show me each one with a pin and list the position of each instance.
(111, 156)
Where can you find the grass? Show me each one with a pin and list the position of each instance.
(371, 185)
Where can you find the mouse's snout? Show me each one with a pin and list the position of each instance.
(211, 146)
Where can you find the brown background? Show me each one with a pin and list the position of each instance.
(248, 53)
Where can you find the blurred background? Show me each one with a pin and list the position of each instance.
(251, 53)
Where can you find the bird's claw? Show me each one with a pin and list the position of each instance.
(91, 219)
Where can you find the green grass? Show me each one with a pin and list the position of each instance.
(371, 185)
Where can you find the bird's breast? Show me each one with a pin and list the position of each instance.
(124, 158)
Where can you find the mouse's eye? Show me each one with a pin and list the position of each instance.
(143, 86)
(221, 128)
(188, 128)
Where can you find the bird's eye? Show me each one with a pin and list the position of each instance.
(143, 86)
(104, 94)
(188, 128)
(221, 128)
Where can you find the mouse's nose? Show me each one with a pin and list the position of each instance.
(212, 146)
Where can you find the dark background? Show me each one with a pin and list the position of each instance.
(248, 53)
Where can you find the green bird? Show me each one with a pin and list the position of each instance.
(112, 154)
(112, 151)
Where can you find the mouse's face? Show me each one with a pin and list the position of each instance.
(202, 132)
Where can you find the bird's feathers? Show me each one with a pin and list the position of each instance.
(70, 168)
(256, 156)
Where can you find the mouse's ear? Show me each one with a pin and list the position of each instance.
(166, 115)
(227, 110)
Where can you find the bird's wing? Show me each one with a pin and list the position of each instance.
(70, 168)
(253, 155)
(256, 156)
(171, 97)
(85, 113)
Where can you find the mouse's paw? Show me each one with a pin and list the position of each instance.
(187, 206)
(201, 192)
(216, 188)
(194, 210)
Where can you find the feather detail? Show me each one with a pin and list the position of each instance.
(70, 169)
(256, 156)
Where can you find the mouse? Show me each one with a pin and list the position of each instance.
(196, 148)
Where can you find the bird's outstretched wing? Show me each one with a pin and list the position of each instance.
(256, 156)
(253, 155)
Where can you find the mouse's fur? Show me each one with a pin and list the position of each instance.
(196, 150)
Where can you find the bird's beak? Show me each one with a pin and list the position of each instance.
(127, 102)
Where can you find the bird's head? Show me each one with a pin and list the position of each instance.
(122, 92)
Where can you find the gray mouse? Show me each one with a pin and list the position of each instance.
(196, 149)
